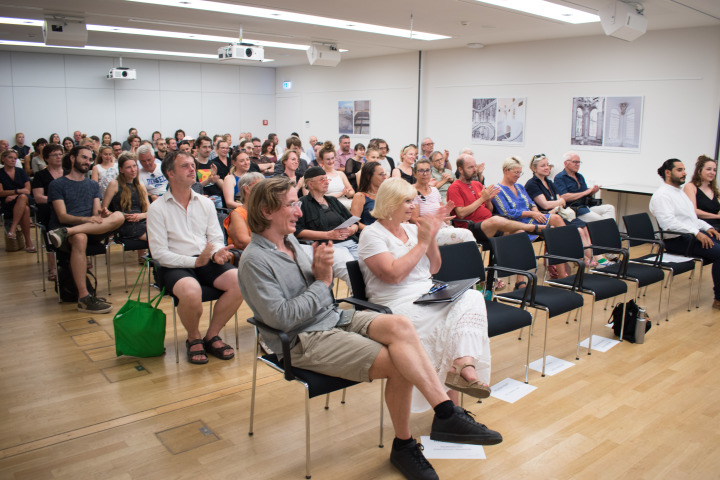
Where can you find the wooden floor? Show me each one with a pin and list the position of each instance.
(71, 410)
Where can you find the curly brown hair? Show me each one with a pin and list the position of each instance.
(699, 165)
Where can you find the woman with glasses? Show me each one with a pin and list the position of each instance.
(372, 176)
(397, 259)
(339, 186)
(428, 201)
(514, 203)
(703, 191)
(408, 155)
(542, 191)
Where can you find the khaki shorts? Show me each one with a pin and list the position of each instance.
(344, 352)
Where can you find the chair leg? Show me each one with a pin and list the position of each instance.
(107, 268)
(254, 382)
(527, 358)
(671, 277)
(592, 317)
(342, 401)
(327, 401)
(547, 321)
(697, 303)
(237, 334)
(307, 433)
(42, 265)
(177, 352)
(660, 305)
(382, 411)
(124, 268)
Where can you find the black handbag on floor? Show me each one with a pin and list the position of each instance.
(631, 315)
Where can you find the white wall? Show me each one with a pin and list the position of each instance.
(676, 71)
(46, 93)
(311, 106)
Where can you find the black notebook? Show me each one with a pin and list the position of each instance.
(448, 294)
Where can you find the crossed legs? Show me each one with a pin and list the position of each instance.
(21, 216)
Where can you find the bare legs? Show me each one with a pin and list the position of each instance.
(21, 216)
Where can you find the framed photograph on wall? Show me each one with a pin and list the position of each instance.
(354, 117)
(607, 123)
(498, 121)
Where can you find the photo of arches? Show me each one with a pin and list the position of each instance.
(498, 120)
(607, 123)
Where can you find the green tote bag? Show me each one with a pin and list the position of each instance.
(140, 326)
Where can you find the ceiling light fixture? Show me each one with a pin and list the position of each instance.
(118, 49)
(164, 34)
(219, 7)
(545, 9)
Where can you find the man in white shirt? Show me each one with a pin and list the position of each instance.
(674, 211)
(185, 238)
(151, 174)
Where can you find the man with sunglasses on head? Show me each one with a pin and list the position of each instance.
(571, 186)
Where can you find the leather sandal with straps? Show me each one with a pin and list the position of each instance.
(191, 354)
(218, 352)
(456, 382)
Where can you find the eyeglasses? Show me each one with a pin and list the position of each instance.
(539, 155)
(292, 205)
(423, 171)
(428, 144)
(576, 162)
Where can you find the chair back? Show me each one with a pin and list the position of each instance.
(639, 225)
(460, 261)
(604, 233)
(514, 251)
(357, 282)
(564, 242)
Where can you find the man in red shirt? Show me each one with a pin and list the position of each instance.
(472, 202)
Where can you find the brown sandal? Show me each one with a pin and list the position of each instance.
(456, 382)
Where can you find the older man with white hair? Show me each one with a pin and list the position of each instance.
(571, 186)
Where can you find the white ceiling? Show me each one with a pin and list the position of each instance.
(466, 21)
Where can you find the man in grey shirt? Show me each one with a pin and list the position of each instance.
(291, 292)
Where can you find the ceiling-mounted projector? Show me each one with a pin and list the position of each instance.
(122, 73)
(64, 31)
(241, 51)
(323, 55)
(622, 20)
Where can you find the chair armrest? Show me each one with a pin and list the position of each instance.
(532, 281)
(580, 264)
(236, 253)
(366, 305)
(284, 339)
(468, 223)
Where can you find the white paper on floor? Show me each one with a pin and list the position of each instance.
(453, 451)
(600, 344)
(553, 365)
(510, 390)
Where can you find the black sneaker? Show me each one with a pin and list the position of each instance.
(412, 463)
(462, 428)
(94, 305)
(58, 238)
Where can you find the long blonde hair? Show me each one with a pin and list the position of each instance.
(125, 192)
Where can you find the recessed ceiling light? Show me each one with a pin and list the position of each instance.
(475, 45)
(247, 11)
(545, 9)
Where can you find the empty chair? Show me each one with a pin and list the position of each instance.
(640, 231)
(566, 242)
(516, 252)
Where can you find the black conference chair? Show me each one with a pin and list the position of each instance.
(640, 231)
(516, 252)
(464, 260)
(605, 238)
(566, 242)
(315, 384)
(209, 294)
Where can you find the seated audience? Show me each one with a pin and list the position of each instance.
(387, 162)
(20, 147)
(479, 169)
(442, 177)
(240, 165)
(674, 211)
(473, 202)
(408, 155)
(36, 158)
(105, 169)
(54, 138)
(186, 239)
(78, 219)
(133, 142)
(127, 195)
(106, 139)
(117, 149)
(126, 143)
(338, 186)
(267, 160)
(354, 164)
(150, 174)
(397, 260)
(53, 157)
(542, 191)
(703, 191)
(570, 184)
(343, 154)
(293, 143)
(68, 144)
(428, 201)
(289, 291)
(291, 163)
(15, 193)
(236, 224)
(371, 177)
(171, 143)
